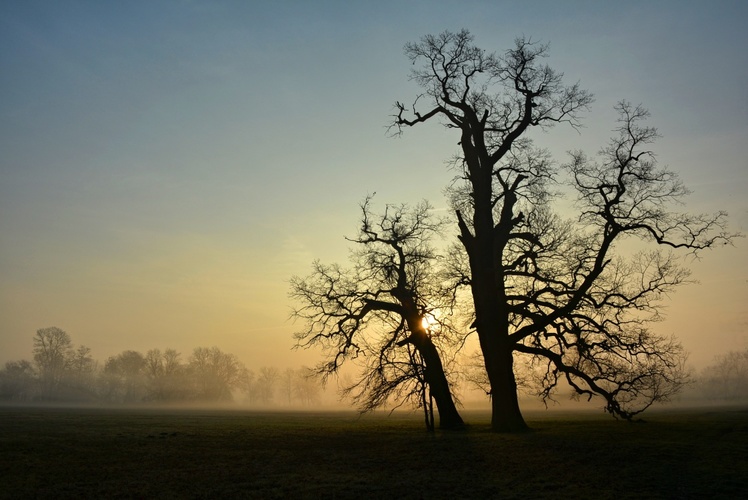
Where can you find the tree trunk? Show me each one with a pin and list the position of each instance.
(491, 311)
(449, 417)
(492, 327)
(505, 413)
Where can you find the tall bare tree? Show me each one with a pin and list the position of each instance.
(378, 310)
(543, 287)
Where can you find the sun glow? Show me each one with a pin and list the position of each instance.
(430, 321)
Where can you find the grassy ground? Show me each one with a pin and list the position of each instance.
(97, 453)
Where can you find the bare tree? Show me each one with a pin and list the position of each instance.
(260, 389)
(307, 388)
(726, 378)
(399, 377)
(124, 378)
(215, 373)
(248, 386)
(287, 381)
(378, 310)
(171, 362)
(80, 375)
(154, 365)
(266, 382)
(17, 381)
(81, 361)
(52, 351)
(550, 289)
(300, 385)
(165, 375)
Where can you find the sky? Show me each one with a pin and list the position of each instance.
(167, 166)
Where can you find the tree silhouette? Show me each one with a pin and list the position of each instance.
(124, 377)
(215, 373)
(374, 312)
(17, 381)
(166, 375)
(726, 378)
(554, 290)
(53, 350)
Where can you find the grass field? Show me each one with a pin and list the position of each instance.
(105, 453)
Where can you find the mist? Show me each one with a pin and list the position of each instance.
(59, 373)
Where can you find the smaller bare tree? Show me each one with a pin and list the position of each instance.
(379, 312)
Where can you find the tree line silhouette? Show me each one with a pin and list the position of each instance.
(62, 372)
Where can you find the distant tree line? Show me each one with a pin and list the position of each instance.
(726, 379)
(61, 372)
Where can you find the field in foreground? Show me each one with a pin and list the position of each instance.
(104, 453)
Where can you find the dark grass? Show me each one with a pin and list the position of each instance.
(98, 453)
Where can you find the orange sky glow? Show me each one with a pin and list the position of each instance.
(167, 166)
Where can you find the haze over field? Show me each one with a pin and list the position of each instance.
(167, 166)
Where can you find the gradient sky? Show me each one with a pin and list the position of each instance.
(166, 166)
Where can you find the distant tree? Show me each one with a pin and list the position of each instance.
(81, 361)
(266, 383)
(53, 351)
(727, 378)
(154, 365)
(215, 373)
(549, 292)
(123, 378)
(18, 381)
(80, 380)
(302, 386)
(287, 381)
(171, 362)
(307, 387)
(248, 386)
(166, 375)
(131, 363)
(387, 312)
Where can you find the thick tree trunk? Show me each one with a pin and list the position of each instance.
(505, 413)
(491, 312)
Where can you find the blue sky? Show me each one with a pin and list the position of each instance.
(167, 165)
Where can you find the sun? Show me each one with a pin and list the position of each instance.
(430, 321)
